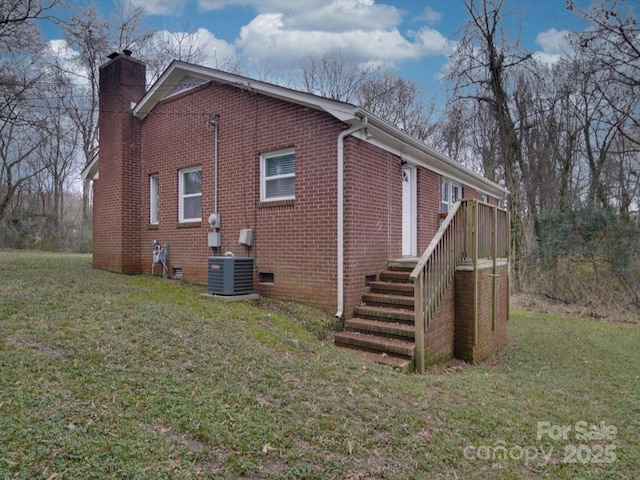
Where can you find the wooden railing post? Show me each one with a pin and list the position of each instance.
(420, 327)
(474, 262)
(494, 239)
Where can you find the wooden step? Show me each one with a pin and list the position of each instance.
(376, 343)
(395, 276)
(393, 288)
(404, 365)
(379, 327)
(407, 264)
(403, 315)
(382, 329)
(386, 300)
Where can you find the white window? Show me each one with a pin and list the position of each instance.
(278, 175)
(450, 193)
(190, 195)
(154, 199)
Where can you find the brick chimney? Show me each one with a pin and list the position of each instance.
(118, 191)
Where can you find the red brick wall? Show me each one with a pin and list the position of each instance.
(439, 339)
(429, 194)
(373, 215)
(293, 240)
(116, 229)
(488, 337)
(468, 192)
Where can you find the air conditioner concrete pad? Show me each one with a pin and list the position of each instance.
(231, 298)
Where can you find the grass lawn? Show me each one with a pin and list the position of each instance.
(112, 376)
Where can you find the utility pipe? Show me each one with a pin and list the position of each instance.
(341, 137)
(214, 123)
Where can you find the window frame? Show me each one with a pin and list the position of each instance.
(264, 158)
(182, 195)
(453, 189)
(154, 199)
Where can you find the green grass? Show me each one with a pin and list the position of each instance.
(112, 376)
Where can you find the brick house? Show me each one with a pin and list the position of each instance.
(329, 194)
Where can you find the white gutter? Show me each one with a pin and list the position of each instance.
(340, 182)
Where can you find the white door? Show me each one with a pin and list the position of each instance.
(409, 212)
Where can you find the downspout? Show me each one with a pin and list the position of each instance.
(341, 137)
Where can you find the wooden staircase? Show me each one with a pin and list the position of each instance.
(383, 328)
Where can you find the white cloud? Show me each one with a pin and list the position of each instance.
(160, 7)
(218, 51)
(554, 45)
(430, 16)
(368, 31)
(267, 36)
(265, 6)
(432, 42)
(334, 15)
(66, 57)
(283, 31)
(345, 15)
(61, 49)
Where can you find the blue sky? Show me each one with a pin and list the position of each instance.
(413, 37)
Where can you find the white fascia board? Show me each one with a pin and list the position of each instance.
(388, 137)
(158, 90)
(340, 110)
(92, 170)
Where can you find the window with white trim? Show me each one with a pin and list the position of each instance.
(190, 195)
(451, 192)
(278, 175)
(154, 199)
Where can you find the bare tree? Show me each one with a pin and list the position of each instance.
(164, 47)
(339, 76)
(482, 69)
(397, 100)
(335, 75)
(17, 27)
(92, 37)
(613, 39)
(20, 74)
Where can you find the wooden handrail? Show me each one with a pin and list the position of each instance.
(471, 230)
(434, 242)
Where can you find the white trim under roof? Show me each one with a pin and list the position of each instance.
(91, 170)
(177, 70)
(379, 131)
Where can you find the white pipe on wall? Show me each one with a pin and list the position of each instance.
(214, 123)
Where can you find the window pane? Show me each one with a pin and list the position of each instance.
(445, 191)
(455, 193)
(282, 187)
(192, 182)
(285, 164)
(154, 194)
(192, 207)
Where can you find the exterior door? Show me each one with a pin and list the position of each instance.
(409, 212)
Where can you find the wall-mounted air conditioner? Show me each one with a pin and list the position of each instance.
(230, 275)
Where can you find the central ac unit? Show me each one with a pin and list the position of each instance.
(230, 275)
